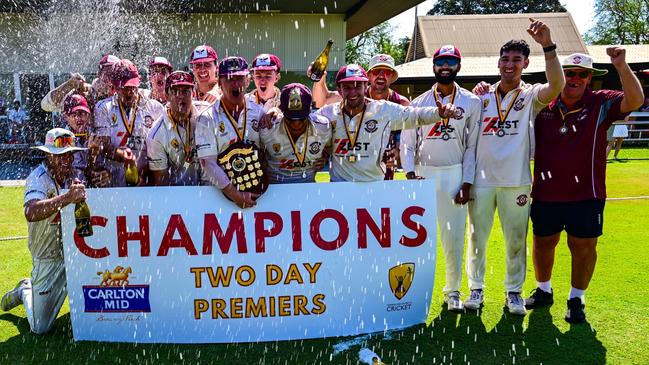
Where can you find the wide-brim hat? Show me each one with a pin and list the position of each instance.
(386, 62)
(580, 60)
(59, 141)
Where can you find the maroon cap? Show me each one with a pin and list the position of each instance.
(295, 101)
(351, 72)
(108, 60)
(160, 61)
(125, 74)
(178, 78)
(448, 50)
(203, 53)
(75, 102)
(267, 61)
(233, 66)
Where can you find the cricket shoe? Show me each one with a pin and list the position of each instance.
(13, 297)
(475, 299)
(575, 313)
(453, 302)
(539, 298)
(515, 303)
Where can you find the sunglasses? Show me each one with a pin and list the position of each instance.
(448, 61)
(64, 141)
(581, 74)
(386, 72)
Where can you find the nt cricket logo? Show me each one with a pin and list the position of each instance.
(493, 126)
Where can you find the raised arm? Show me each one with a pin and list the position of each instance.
(553, 71)
(633, 95)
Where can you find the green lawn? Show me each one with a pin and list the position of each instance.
(616, 309)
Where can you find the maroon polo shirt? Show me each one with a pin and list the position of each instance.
(571, 166)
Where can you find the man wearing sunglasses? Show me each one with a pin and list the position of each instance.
(43, 294)
(569, 189)
(265, 74)
(171, 147)
(203, 62)
(502, 178)
(446, 151)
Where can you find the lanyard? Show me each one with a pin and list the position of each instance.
(509, 107)
(300, 159)
(352, 141)
(129, 126)
(186, 145)
(437, 98)
(234, 123)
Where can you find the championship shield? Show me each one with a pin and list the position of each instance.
(243, 164)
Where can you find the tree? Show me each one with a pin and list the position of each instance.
(620, 22)
(361, 48)
(453, 7)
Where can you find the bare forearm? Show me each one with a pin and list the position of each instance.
(37, 210)
(214, 173)
(554, 75)
(633, 95)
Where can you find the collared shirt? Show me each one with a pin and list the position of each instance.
(129, 133)
(17, 116)
(290, 162)
(570, 162)
(167, 146)
(44, 236)
(215, 131)
(359, 142)
(506, 146)
(445, 144)
(253, 97)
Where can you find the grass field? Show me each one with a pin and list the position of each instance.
(616, 332)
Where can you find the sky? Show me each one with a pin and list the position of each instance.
(582, 12)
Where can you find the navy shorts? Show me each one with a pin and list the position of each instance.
(583, 219)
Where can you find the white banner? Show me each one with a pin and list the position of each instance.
(184, 265)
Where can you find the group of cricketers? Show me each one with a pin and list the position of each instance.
(477, 145)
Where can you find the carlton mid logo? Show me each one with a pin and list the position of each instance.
(115, 294)
(401, 277)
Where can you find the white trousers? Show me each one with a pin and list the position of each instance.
(45, 298)
(513, 204)
(451, 219)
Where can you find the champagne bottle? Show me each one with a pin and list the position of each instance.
(320, 63)
(82, 218)
(131, 175)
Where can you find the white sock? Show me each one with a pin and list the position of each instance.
(546, 286)
(577, 293)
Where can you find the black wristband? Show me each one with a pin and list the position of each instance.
(551, 48)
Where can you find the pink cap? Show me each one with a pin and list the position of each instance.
(108, 60)
(266, 61)
(161, 61)
(75, 102)
(125, 74)
(203, 53)
(351, 72)
(179, 78)
(448, 50)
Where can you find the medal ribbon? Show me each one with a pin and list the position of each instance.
(437, 98)
(509, 108)
(186, 145)
(358, 127)
(300, 159)
(234, 123)
(129, 127)
(563, 116)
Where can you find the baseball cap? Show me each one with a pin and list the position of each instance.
(233, 66)
(178, 78)
(295, 101)
(203, 53)
(75, 102)
(108, 60)
(448, 50)
(386, 62)
(580, 60)
(266, 61)
(125, 74)
(351, 72)
(160, 61)
(59, 141)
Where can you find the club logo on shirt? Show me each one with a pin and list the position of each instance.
(113, 119)
(485, 103)
(174, 143)
(521, 200)
(277, 147)
(314, 148)
(148, 121)
(255, 125)
(440, 131)
(371, 126)
(493, 126)
(333, 124)
(459, 113)
(221, 128)
(519, 105)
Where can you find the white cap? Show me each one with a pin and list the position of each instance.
(580, 60)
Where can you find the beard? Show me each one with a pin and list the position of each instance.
(446, 79)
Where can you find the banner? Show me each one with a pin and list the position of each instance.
(185, 265)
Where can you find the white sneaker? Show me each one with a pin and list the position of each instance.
(515, 303)
(13, 297)
(453, 302)
(475, 299)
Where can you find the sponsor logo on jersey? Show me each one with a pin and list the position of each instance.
(292, 164)
(343, 146)
(174, 143)
(277, 147)
(521, 200)
(314, 148)
(493, 126)
(371, 126)
(400, 278)
(115, 293)
(440, 131)
(519, 104)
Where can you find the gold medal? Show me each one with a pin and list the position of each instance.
(509, 108)
(437, 98)
(128, 125)
(352, 141)
(352, 158)
(300, 158)
(240, 133)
